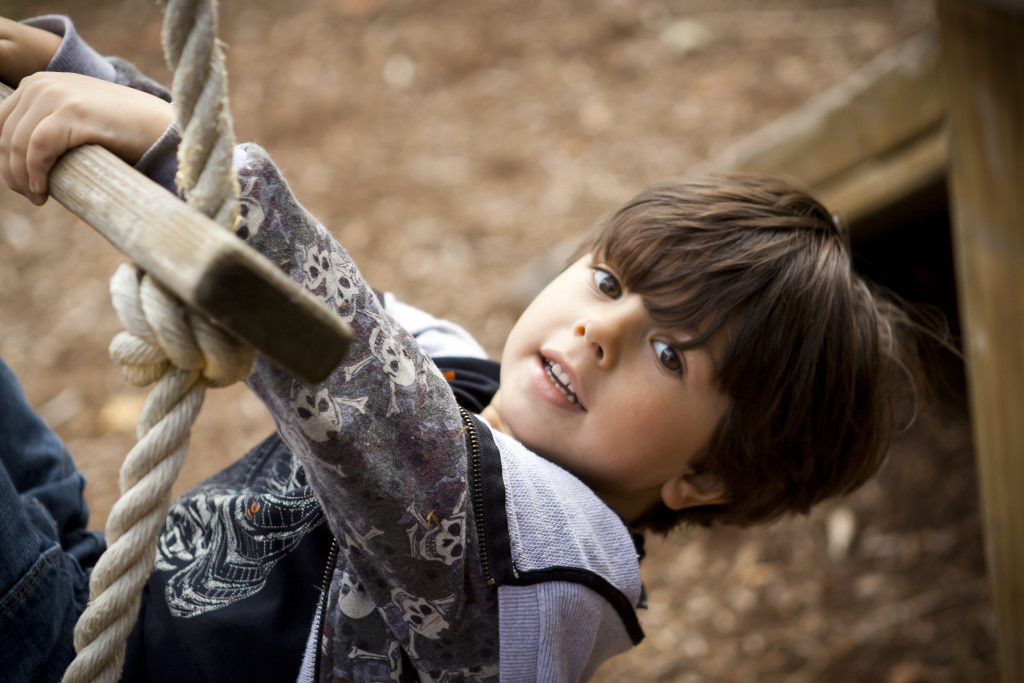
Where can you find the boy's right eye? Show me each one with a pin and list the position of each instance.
(607, 284)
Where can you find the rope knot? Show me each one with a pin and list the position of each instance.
(160, 333)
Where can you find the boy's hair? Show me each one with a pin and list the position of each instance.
(819, 365)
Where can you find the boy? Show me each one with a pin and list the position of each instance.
(710, 356)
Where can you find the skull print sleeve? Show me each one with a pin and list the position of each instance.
(383, 444)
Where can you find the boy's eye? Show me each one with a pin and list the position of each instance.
(607, 284)
(668, 356)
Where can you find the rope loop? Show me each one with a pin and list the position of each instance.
(160, 332)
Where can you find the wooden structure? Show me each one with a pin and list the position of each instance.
(983, 64)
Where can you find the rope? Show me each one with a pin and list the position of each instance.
(164, 343)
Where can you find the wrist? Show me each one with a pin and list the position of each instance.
(145, 120)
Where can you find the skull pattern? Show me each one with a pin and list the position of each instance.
(435, 539)
(353, 601)
(320, 415)
(326, 269)
(424, 617)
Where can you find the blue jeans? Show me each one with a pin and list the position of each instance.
(46, 552)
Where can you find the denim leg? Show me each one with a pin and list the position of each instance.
(46, 551)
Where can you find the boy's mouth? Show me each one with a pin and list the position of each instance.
(560, 378)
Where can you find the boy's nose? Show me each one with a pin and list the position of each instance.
(587, 330)
(605, 331)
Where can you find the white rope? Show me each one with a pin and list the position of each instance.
(164, 343)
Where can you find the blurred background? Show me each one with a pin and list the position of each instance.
(451, 146)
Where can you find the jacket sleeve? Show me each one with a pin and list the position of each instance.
(381, 439)
(76, 56)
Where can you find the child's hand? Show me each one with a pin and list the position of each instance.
(51, 113)
(24, 50)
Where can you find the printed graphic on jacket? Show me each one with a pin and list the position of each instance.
(220, 544)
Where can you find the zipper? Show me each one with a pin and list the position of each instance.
(478, 508)
(325, 585)
(478, 496)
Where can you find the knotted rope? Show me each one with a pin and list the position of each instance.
(164, 343)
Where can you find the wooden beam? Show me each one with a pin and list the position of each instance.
(983, 64)
(202, 263)
(878, 183)
(891, 100)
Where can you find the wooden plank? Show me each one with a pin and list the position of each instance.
(890, 101)
(984, 72)
(202, 263)
(872, 186)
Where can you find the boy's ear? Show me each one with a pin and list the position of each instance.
(691, 490)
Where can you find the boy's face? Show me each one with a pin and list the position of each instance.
(589, 381)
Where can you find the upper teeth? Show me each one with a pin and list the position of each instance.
(561, 378)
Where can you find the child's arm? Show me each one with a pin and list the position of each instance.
(382, 443)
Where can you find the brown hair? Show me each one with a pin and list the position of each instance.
(820, 366)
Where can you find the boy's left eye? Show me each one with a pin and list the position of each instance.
(668, 356)
(607, 284)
